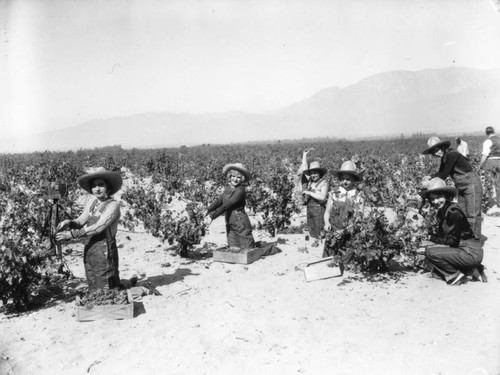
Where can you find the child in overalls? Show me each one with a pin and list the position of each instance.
(342, 203)
(99, 221)
(314, 191)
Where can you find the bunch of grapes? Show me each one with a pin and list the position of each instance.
(104, 296)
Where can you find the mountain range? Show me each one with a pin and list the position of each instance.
(448, 100)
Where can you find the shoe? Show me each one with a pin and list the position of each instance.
(473, 273)
(457, 279)
(435, 275)
(483, 276)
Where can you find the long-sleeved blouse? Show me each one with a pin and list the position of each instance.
(97, 216)
(451, 226)
(232, 199)
(451, 163)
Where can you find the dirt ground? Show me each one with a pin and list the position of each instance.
(264, 318)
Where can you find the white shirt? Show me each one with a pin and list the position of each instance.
(463, 148)
(108, 218)
(487, 147)
(344, 194)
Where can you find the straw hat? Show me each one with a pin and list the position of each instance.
(114, 180)
(238, 167)
(434, 144)
(438, 185)
(315, 166)
(348, 167)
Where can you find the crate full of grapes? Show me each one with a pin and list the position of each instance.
(105, 304)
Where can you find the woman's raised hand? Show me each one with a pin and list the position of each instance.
(63, 224)
(63, 236)
(327, 226)
(424, 184)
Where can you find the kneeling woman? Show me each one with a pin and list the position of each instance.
(453, 249)
(232, 204)
(99, 222)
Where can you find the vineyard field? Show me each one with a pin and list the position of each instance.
(198, 316)
(218, 318)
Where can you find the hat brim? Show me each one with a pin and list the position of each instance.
(437, 146)
(245, 172)
(357, 175)
(321, 170)
(114, 180)
(449, 190)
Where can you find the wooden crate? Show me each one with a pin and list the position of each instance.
(245, 256)
(125, 311)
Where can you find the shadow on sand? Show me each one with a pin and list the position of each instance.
(161, 280)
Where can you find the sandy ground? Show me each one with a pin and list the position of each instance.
(264, 318)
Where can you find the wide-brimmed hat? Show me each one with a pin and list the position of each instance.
(114, 180)
(434, 144)
(438, 185)
(315, 166)
(348, 167)
(238, 167)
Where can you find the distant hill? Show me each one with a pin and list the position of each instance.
(450, 100)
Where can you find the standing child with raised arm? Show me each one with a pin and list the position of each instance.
(314, 191)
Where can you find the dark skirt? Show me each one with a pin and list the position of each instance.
(239, 230)
(101, 264)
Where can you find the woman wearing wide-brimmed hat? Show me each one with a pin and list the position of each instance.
(466, 179)
(98, 222)
(232, 204)
(314, 191)
(453, 249)
(342, 202)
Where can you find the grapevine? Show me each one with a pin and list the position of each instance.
(167, 191)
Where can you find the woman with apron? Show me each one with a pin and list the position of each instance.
(465, 178)
(99, 222)
(315, 187)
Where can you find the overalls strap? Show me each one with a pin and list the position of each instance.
(109, 237)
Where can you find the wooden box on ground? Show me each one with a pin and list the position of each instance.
(123, 311)
(320, 270)
(245, 256)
